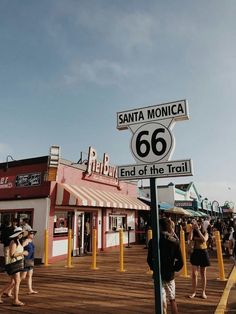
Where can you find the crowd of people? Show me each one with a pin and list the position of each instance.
(199, 236)
(226, 228)
(18, 257)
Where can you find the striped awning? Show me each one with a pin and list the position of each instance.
(73, 195)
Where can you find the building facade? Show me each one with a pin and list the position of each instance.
(58, 195)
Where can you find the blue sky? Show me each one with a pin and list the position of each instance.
(67, 67)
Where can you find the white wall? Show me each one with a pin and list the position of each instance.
(59, 247)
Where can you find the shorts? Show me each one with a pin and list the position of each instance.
(168, 288)
(200, 258)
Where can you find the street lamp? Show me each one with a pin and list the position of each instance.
(7, 161)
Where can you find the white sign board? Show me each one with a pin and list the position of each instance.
(175, 168)
(177, 110)
(152, 142)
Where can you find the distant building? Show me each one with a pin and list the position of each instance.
(182, 195)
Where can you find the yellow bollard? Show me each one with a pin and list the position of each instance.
(94, 250)
(149, 236)
(69, 260)
(121, 237)
(184, 272)
(219, 256)
(46, 248)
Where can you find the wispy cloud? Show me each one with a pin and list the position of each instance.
(101, 72)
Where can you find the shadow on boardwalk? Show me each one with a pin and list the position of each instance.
(106, 290)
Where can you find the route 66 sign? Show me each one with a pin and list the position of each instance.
(152, 142)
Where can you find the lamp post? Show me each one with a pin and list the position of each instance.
(215, 207)
(7, 161)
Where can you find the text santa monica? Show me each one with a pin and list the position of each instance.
(176, 110)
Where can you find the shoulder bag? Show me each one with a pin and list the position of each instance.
(15, 267)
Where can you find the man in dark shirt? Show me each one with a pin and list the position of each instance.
(7, 231)
(171, 261)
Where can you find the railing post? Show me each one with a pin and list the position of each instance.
(69, 259)
(149, 236)
(121, 237)
(46, 248)
(184, 272)
(94, 250)
(219, 256)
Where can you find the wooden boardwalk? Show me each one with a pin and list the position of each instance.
(106, 290)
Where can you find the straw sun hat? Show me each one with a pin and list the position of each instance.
(17, 232)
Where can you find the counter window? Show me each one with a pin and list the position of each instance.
(117, 222)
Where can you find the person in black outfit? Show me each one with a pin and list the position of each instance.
(171, 262)
(7, 231)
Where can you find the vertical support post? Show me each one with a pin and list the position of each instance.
(46, 247)
(219, 256)
(121, 237)
(155, 247)
(69, 247)
(184, 272)
(94, 250)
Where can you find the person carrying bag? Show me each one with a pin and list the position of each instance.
(14, 266)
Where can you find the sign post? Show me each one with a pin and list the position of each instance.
(155, 248)
(152, 145)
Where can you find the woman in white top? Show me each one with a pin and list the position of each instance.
(16, 252)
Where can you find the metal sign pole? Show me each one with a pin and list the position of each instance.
(155, 248)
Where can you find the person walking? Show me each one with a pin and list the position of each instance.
(232, 239)
(171, 262)
(29, 260)
(25, 224)
(87, 236)
(7, 231)
(16, 253)
(199, 258)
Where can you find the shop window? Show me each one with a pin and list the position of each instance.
(117, 222)
(62, 222)
(17, 216)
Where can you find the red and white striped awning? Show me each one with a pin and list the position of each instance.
(74, 195)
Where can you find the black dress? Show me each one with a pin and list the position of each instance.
(199, 256)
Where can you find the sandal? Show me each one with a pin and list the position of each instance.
(33, 292)
(6, 295)
(204, 296)
(18, 304)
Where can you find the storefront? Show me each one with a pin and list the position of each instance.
(58, 195)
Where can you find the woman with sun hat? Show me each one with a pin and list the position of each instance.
(16, 253)
(29, 260)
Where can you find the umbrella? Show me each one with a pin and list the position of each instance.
(178, 211)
